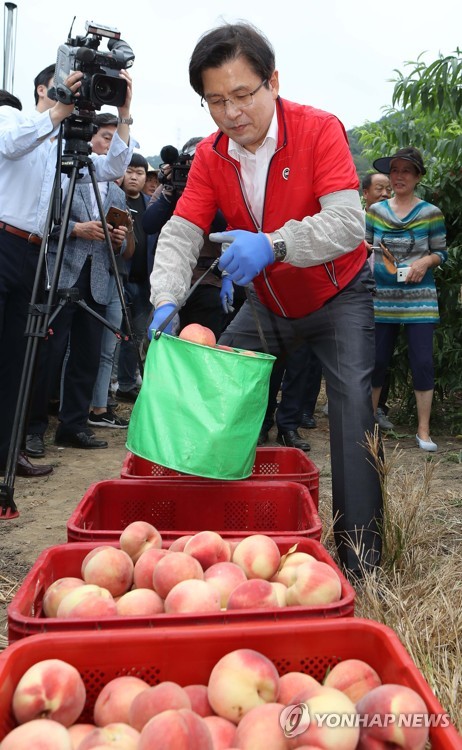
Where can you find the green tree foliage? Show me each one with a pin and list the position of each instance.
(426, 113)
(363, 165)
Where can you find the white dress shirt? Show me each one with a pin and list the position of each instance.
(28, 164)
(254, 167)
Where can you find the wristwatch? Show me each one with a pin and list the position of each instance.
(125, 120)
(279, 249)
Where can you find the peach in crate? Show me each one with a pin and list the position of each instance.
(26, 616)
(189, 656)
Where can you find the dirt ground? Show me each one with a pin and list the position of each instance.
(46, 504)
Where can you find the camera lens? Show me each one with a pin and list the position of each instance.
(107, 89)
(104, 90)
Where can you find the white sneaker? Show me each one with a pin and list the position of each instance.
(325, 409)
(426, 445)
(139, 379)
(383, 421)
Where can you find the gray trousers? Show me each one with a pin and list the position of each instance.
(341, 334)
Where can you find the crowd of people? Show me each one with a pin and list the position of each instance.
(273, 194)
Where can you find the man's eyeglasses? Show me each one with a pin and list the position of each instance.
(217, 105)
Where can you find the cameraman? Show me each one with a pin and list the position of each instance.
(204, 305)
(27, 171)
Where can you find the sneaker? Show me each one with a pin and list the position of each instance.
(139, 379)
(107, 419)
(383, 421)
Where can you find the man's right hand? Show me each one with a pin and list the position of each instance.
(158, 318)
(60, 111)
(89, 230)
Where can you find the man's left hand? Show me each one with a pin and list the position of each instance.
(248, 254)
(124, 110)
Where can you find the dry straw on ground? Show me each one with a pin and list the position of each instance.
(418, 589)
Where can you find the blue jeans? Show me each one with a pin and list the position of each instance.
(108, 345)
(140, 309)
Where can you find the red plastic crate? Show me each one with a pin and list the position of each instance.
(178, 654)
(287, 464)
(175, 508)
(25, 611)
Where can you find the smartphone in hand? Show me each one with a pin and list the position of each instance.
(117, 217)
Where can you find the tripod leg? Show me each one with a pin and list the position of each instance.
(126, 314)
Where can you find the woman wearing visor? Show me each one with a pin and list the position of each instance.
(409, 239)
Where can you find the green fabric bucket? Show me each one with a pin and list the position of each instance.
(200, 409)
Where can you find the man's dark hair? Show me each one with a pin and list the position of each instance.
(9, 100)
(139, 161)
(42, 79)
(367, 179)
(226, 43)
(105, 118)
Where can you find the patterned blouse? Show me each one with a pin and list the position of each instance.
(422, 232)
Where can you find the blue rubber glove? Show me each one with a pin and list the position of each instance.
(248, 254)
(158, 318)
(227, 294)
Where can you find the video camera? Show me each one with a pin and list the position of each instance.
(101, 83)
(180, 166)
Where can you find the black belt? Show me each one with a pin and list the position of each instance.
(33, 239)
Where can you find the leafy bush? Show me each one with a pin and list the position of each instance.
(430, 101)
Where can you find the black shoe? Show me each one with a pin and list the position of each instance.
(308, 422)
(79, 440)
(291, 439)
(35, 447)
(24, 468)
(130, 395)
(263, 437)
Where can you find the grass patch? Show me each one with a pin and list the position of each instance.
(418, 588)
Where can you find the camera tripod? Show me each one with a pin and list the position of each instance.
(76, 156)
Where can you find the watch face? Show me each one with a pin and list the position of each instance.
(280, 250)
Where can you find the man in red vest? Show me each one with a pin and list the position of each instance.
(283, 176)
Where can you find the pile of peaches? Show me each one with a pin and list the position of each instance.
(246, 705)
(201, 572)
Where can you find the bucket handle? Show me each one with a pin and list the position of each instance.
(174, 312)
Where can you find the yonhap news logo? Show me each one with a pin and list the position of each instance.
(296, 719)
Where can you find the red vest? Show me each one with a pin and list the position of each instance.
(312, 159)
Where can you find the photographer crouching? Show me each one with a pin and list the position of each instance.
(204, 306)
